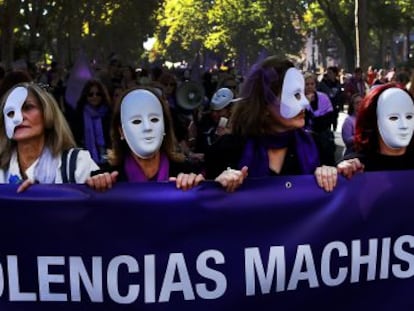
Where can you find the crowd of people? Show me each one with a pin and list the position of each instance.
(132, 126)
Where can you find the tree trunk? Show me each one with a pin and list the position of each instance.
(343, 34)
(8, 21)
(363, 33)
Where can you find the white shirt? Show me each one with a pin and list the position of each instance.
(84, 166)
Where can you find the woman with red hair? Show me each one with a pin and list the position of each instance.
(383, 134)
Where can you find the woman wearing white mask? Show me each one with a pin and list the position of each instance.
(144, 145)
(383, 134)
(267, 125)
(33, 136)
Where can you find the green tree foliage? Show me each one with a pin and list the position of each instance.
(334, 20)
(228, 27)
(61, 27)
(181, 28)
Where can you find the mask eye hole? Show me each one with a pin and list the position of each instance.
(409, 117)
(298, 96)
(10, 114)
(393, 118)
(136, 122)
(155, 120)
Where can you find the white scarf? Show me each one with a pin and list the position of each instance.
(43, 170)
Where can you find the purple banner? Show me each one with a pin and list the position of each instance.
(276, 244)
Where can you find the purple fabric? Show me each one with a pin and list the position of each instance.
(348, 132)
(94, 135)
(134, 172)
(265, 77)
(324, 105)
(255, 154)
(79, 75)
(174, 235)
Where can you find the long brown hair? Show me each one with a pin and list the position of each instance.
(250, 116)
(58, 136)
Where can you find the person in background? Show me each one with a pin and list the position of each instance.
(169, 82)
(267, 128)
(56, 81)
(331, 86)
(116, 94)
(410, 84)
(348, 127)
(12, 78)
(371, 75)
(129, 78)
(381, 78)
(383, 134)
(402, 79)
(319, 117)
(356, 84)
(229, 81)
(33, 136)
(144, 147)
(92, 118)
(112, 74)
(215, 123)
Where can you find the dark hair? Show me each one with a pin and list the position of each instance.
(334, 69)
(12, 78)
(250, 116)
(358, 70)
(83, 99)
(351, 108)
(402, 77)
(166, 78)
(2, 72)
(366, 128)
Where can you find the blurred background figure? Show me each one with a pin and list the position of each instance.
(12, 78)
(215, 122)
(356, 84)
(331, 86)
(90, 122)
(129, 78)
(319, 119)
(348, 127)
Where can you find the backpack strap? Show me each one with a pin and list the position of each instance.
(68, 166)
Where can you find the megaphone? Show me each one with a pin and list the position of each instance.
(190, 95)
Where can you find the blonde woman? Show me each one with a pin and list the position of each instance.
(33, 137)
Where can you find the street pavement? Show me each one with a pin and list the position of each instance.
(338, 136)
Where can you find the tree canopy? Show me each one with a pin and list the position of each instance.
(239, 30)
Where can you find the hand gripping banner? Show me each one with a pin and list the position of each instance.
(277, 243)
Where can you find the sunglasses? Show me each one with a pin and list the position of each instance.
(91, 94)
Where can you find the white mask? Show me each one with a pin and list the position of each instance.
(395, 117)
(142, 122)
(12, 111)
(221, 98)
(293, 99)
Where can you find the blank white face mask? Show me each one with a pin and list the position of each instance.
(142, 122)
(12, 111)
(293, 99)
(395, 117)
